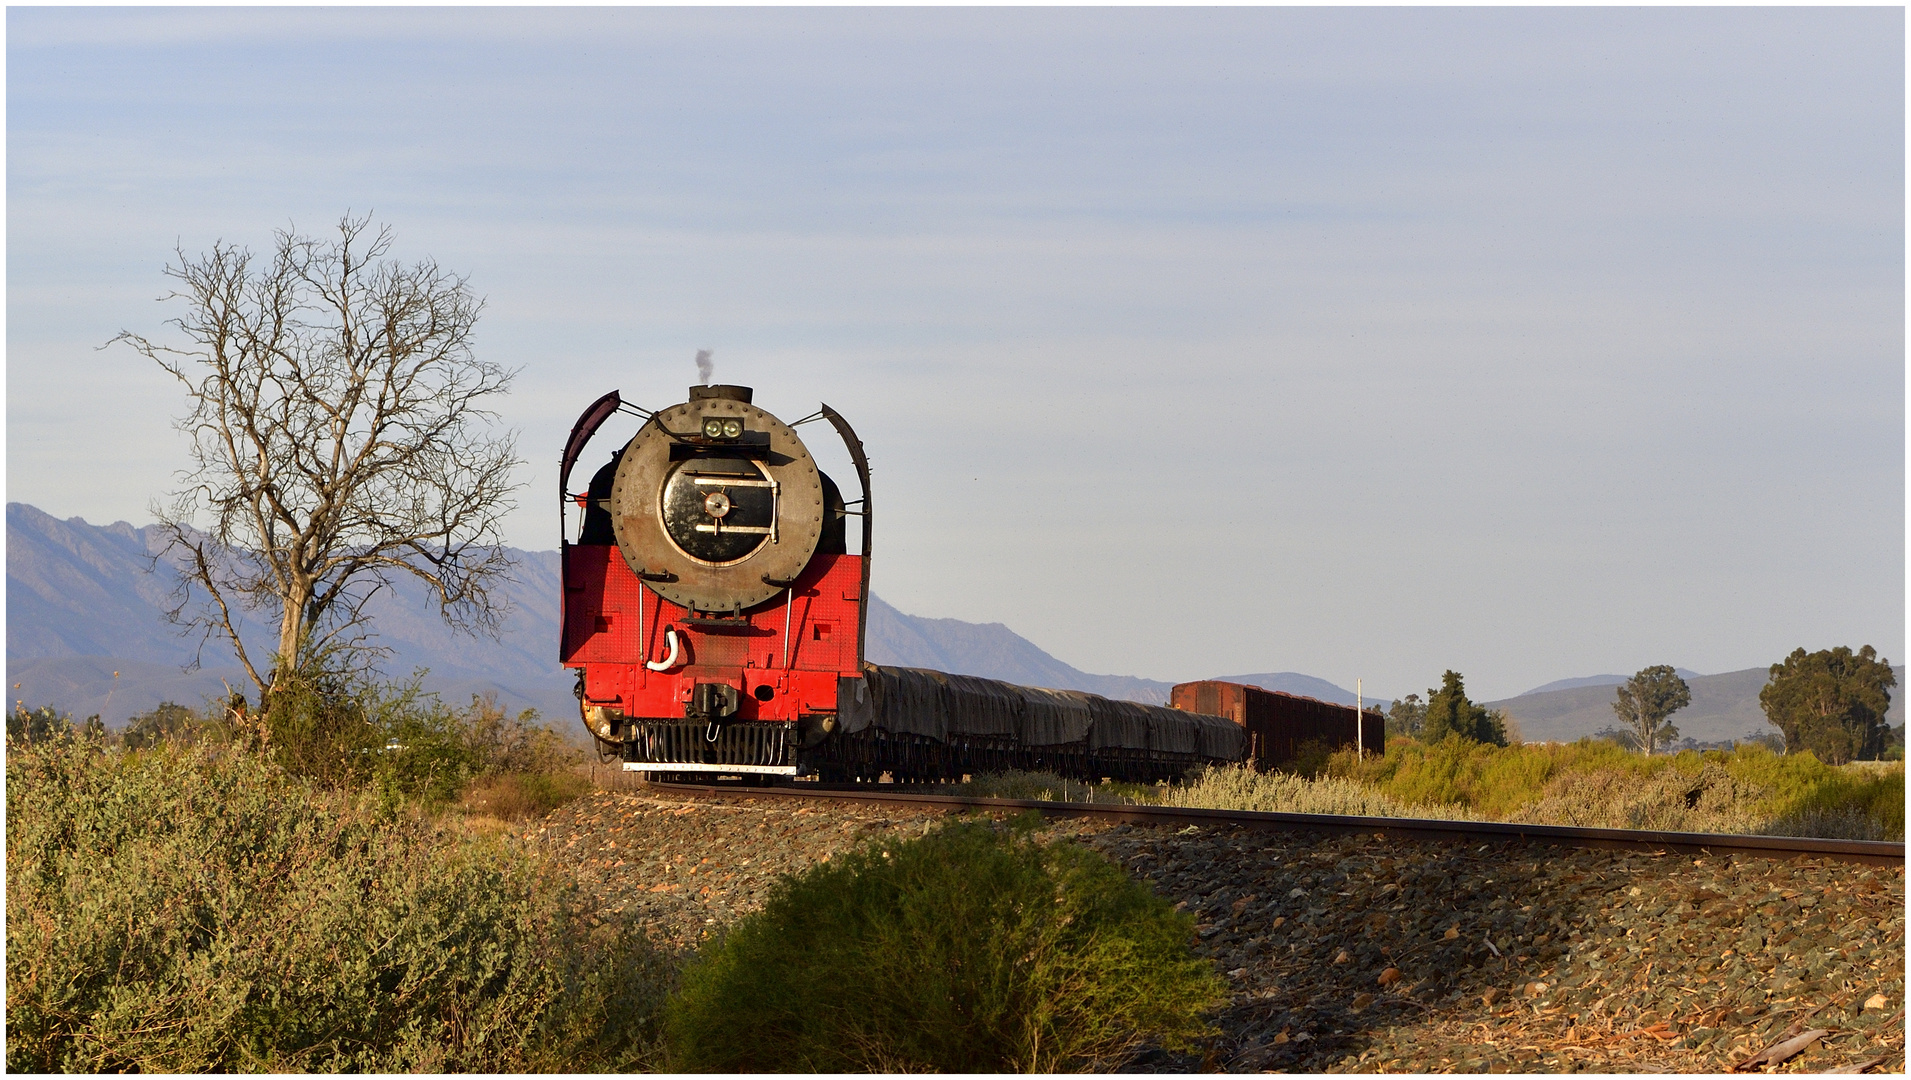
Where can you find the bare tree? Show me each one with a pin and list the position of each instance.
(341, 440)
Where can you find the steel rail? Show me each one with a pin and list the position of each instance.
(1871, 852)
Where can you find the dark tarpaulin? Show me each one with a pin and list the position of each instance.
(1122, 724)
(855, 705)
(1054, 717)
(937, 705)
(906, 701)
(1171, 731)
(1220, 739)
(978, 706)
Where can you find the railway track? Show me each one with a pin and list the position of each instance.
(1868, 852)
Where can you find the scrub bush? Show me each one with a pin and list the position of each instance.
(342, 729)
(198, 909)
(26, 725)
(1862, 800)
(969, 949)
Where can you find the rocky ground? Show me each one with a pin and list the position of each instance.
(1350, 953)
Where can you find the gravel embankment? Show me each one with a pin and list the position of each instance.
(1353, 953)
(687, 866)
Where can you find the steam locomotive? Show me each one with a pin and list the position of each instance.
(717, 620)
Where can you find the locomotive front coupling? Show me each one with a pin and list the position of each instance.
(711, 702)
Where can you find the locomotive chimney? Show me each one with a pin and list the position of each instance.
(732, 393)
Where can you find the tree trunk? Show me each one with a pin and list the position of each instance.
(291, 629)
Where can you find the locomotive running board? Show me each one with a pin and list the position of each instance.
(699, 766)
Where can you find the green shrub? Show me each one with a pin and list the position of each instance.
(197, 909)
(322, 721)
(341, 728)
(966, 950)
(1311, 759)
(1592, 782)
(1595, 782)
(1806, 797)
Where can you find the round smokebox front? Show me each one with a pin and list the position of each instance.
(717, 504)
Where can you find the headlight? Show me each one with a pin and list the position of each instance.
(722, 427)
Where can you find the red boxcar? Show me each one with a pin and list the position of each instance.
(1277, 723)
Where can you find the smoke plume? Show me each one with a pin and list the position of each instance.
(705, 366)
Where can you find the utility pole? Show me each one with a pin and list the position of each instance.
(1360, 725)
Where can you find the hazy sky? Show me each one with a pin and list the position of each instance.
(1362, 343)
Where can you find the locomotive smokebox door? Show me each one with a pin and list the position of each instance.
(717, 505)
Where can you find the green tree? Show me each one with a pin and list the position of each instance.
(1407, 716)
(1501, 728)
(1831, 702)
(1646, 700)
(1450, 713)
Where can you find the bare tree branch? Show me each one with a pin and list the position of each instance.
(341, 440)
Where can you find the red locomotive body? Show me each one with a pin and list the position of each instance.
(784, 659)
(1277, 723)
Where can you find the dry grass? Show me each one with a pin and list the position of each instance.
(1592, 784)
(1048, 787)
(1589, 784)
(1241, 788)
(519, 796)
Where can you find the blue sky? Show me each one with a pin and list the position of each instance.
(1363, 343)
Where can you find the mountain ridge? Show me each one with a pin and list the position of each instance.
(83, 604)
(1598, 680)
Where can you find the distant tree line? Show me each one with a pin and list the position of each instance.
(1447, 713)
(1831, 703)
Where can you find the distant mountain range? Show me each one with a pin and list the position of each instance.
(1599, 680)
(83, 603)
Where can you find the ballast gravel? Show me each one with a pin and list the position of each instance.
(1353, 953)
(686, 866)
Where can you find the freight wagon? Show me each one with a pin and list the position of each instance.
(1277, 723)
